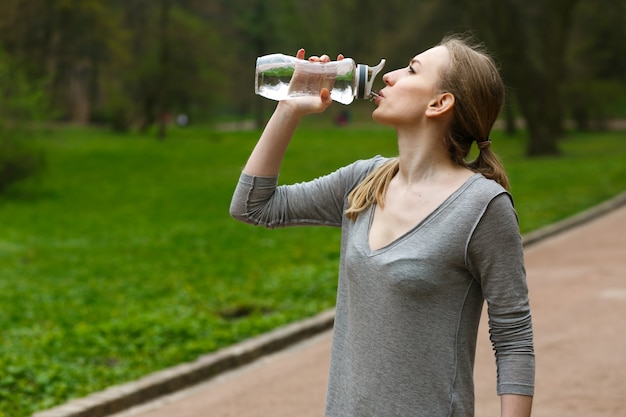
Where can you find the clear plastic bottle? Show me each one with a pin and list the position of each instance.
(345, 79)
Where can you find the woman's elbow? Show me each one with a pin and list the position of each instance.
(238, 212)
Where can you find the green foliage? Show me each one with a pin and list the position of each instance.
(550, 189)
(18, 161)
(593, 103)
(21, 98)
(117, 111)
(130, 63)
(123, 259)
(21, 101)
(596, 75)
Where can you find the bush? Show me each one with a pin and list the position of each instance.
(23, 103)
(592, 103)
(18, 161)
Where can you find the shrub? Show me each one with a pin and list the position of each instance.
(23, 103)
(18, 161)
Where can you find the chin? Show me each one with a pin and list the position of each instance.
(380, 118)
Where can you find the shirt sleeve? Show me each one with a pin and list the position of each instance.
(496, 259)
(260, 201)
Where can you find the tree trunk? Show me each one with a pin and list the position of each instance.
(79, 93)
(164, 62)
(510, 125)
(541, 141)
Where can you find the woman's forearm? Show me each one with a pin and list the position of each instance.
(515, 405)
(267, 156)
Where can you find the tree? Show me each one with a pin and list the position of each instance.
(531, 39)
(262, 27)
(21, 102)
(597, 63)
(129, 62)
(68, 42)
(176, 65)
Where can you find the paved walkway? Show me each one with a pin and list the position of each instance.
(577, 283)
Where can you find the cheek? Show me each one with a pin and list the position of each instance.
(400, 104)
(395, 113)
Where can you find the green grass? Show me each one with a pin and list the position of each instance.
(123, 260)
(592, 169)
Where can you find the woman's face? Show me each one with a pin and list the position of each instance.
(408, 91)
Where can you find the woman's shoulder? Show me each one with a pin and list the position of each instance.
(360, 169)
(484, 190)
(368, 165)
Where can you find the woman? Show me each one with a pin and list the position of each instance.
(426, 238)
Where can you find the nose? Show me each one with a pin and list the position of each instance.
(390, 77)
(387, 78)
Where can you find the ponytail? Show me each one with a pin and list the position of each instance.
(488, 164)
(473, 79)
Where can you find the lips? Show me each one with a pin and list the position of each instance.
(379, 96)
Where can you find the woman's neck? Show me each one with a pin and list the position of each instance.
(424, 157)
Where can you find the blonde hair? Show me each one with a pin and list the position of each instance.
(472, 78)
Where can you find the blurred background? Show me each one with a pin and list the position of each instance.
(124, 125)
(132, 64)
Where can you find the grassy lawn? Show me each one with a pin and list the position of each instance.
(123, 259)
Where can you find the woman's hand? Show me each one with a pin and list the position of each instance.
(269, 151)
(304, 80)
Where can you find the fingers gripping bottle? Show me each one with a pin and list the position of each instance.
(345, 79)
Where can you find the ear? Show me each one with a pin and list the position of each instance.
(440, 105)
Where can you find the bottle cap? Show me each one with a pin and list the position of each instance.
(365, 78)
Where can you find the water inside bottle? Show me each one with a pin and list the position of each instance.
(273, 83)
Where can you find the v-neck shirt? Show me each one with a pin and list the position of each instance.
(407, 314)
(371, 213)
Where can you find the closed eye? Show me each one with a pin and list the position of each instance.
(412, 65)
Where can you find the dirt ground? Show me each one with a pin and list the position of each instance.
(577, 284)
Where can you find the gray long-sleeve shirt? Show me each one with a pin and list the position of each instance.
(407, 314)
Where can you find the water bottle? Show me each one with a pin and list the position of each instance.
(345, 79)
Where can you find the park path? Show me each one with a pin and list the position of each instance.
(577, 282)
